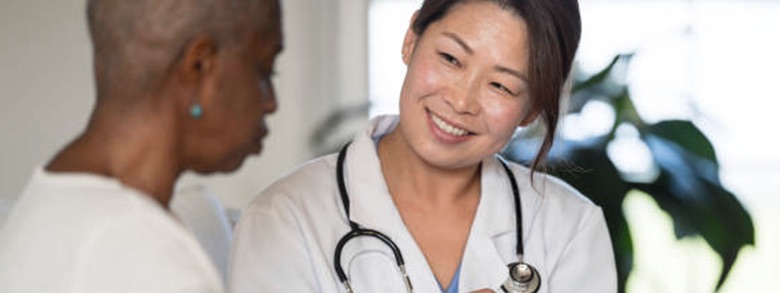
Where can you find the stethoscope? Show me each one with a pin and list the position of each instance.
(523, 278)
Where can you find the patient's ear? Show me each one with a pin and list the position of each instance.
(198, 59)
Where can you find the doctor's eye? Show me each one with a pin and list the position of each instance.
(449, 58)
(502, 88)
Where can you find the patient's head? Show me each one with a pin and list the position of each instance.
(206, 64)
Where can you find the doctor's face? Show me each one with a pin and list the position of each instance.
(465, 90)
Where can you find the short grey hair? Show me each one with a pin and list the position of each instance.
(136, 42)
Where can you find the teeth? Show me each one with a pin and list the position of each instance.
(448, 128)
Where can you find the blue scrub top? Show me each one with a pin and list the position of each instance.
(453, 287)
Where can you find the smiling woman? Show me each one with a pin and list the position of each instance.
(425, 190)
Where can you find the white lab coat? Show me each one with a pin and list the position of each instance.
(286, 238)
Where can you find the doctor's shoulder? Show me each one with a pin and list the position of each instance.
(557, 198)
(573, 231)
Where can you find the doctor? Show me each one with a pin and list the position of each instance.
(429, 180)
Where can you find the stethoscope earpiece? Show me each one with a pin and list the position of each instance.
(523, 278)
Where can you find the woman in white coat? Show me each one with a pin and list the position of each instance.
(429, 179)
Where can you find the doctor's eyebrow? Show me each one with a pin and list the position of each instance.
(460, 42)
(512, 72)
(470, 51)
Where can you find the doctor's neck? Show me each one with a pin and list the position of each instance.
(407, 173)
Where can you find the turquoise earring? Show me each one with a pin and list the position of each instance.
(196, 111)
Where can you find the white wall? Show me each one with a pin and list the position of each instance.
(46, 87)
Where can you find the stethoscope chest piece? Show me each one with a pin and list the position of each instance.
(523, 278)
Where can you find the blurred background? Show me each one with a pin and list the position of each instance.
(713, 63)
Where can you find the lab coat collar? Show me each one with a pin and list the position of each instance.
(370, 198)
(372, 207)
(484, 264)
(485, 259)
(493, 239)
(371, 204)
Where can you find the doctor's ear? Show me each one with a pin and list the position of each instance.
(529, 117)
(410, 40)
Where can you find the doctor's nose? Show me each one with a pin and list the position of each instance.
(463, 97)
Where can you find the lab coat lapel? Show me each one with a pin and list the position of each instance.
(491, 245)
(484, 261)
(372, 207)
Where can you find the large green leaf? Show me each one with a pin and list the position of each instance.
(686, 135)
(688, 188)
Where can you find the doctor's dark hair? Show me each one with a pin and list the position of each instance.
(554, 29)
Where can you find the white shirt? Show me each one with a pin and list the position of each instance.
(74, 232)
(286, 238)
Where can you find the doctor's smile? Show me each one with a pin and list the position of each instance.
(447, 131)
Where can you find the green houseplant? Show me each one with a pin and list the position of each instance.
(685, 184)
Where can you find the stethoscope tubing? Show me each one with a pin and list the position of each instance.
(357, 231)
(519, 249)
(399, 258)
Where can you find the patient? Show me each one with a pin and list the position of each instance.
(181, 85)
